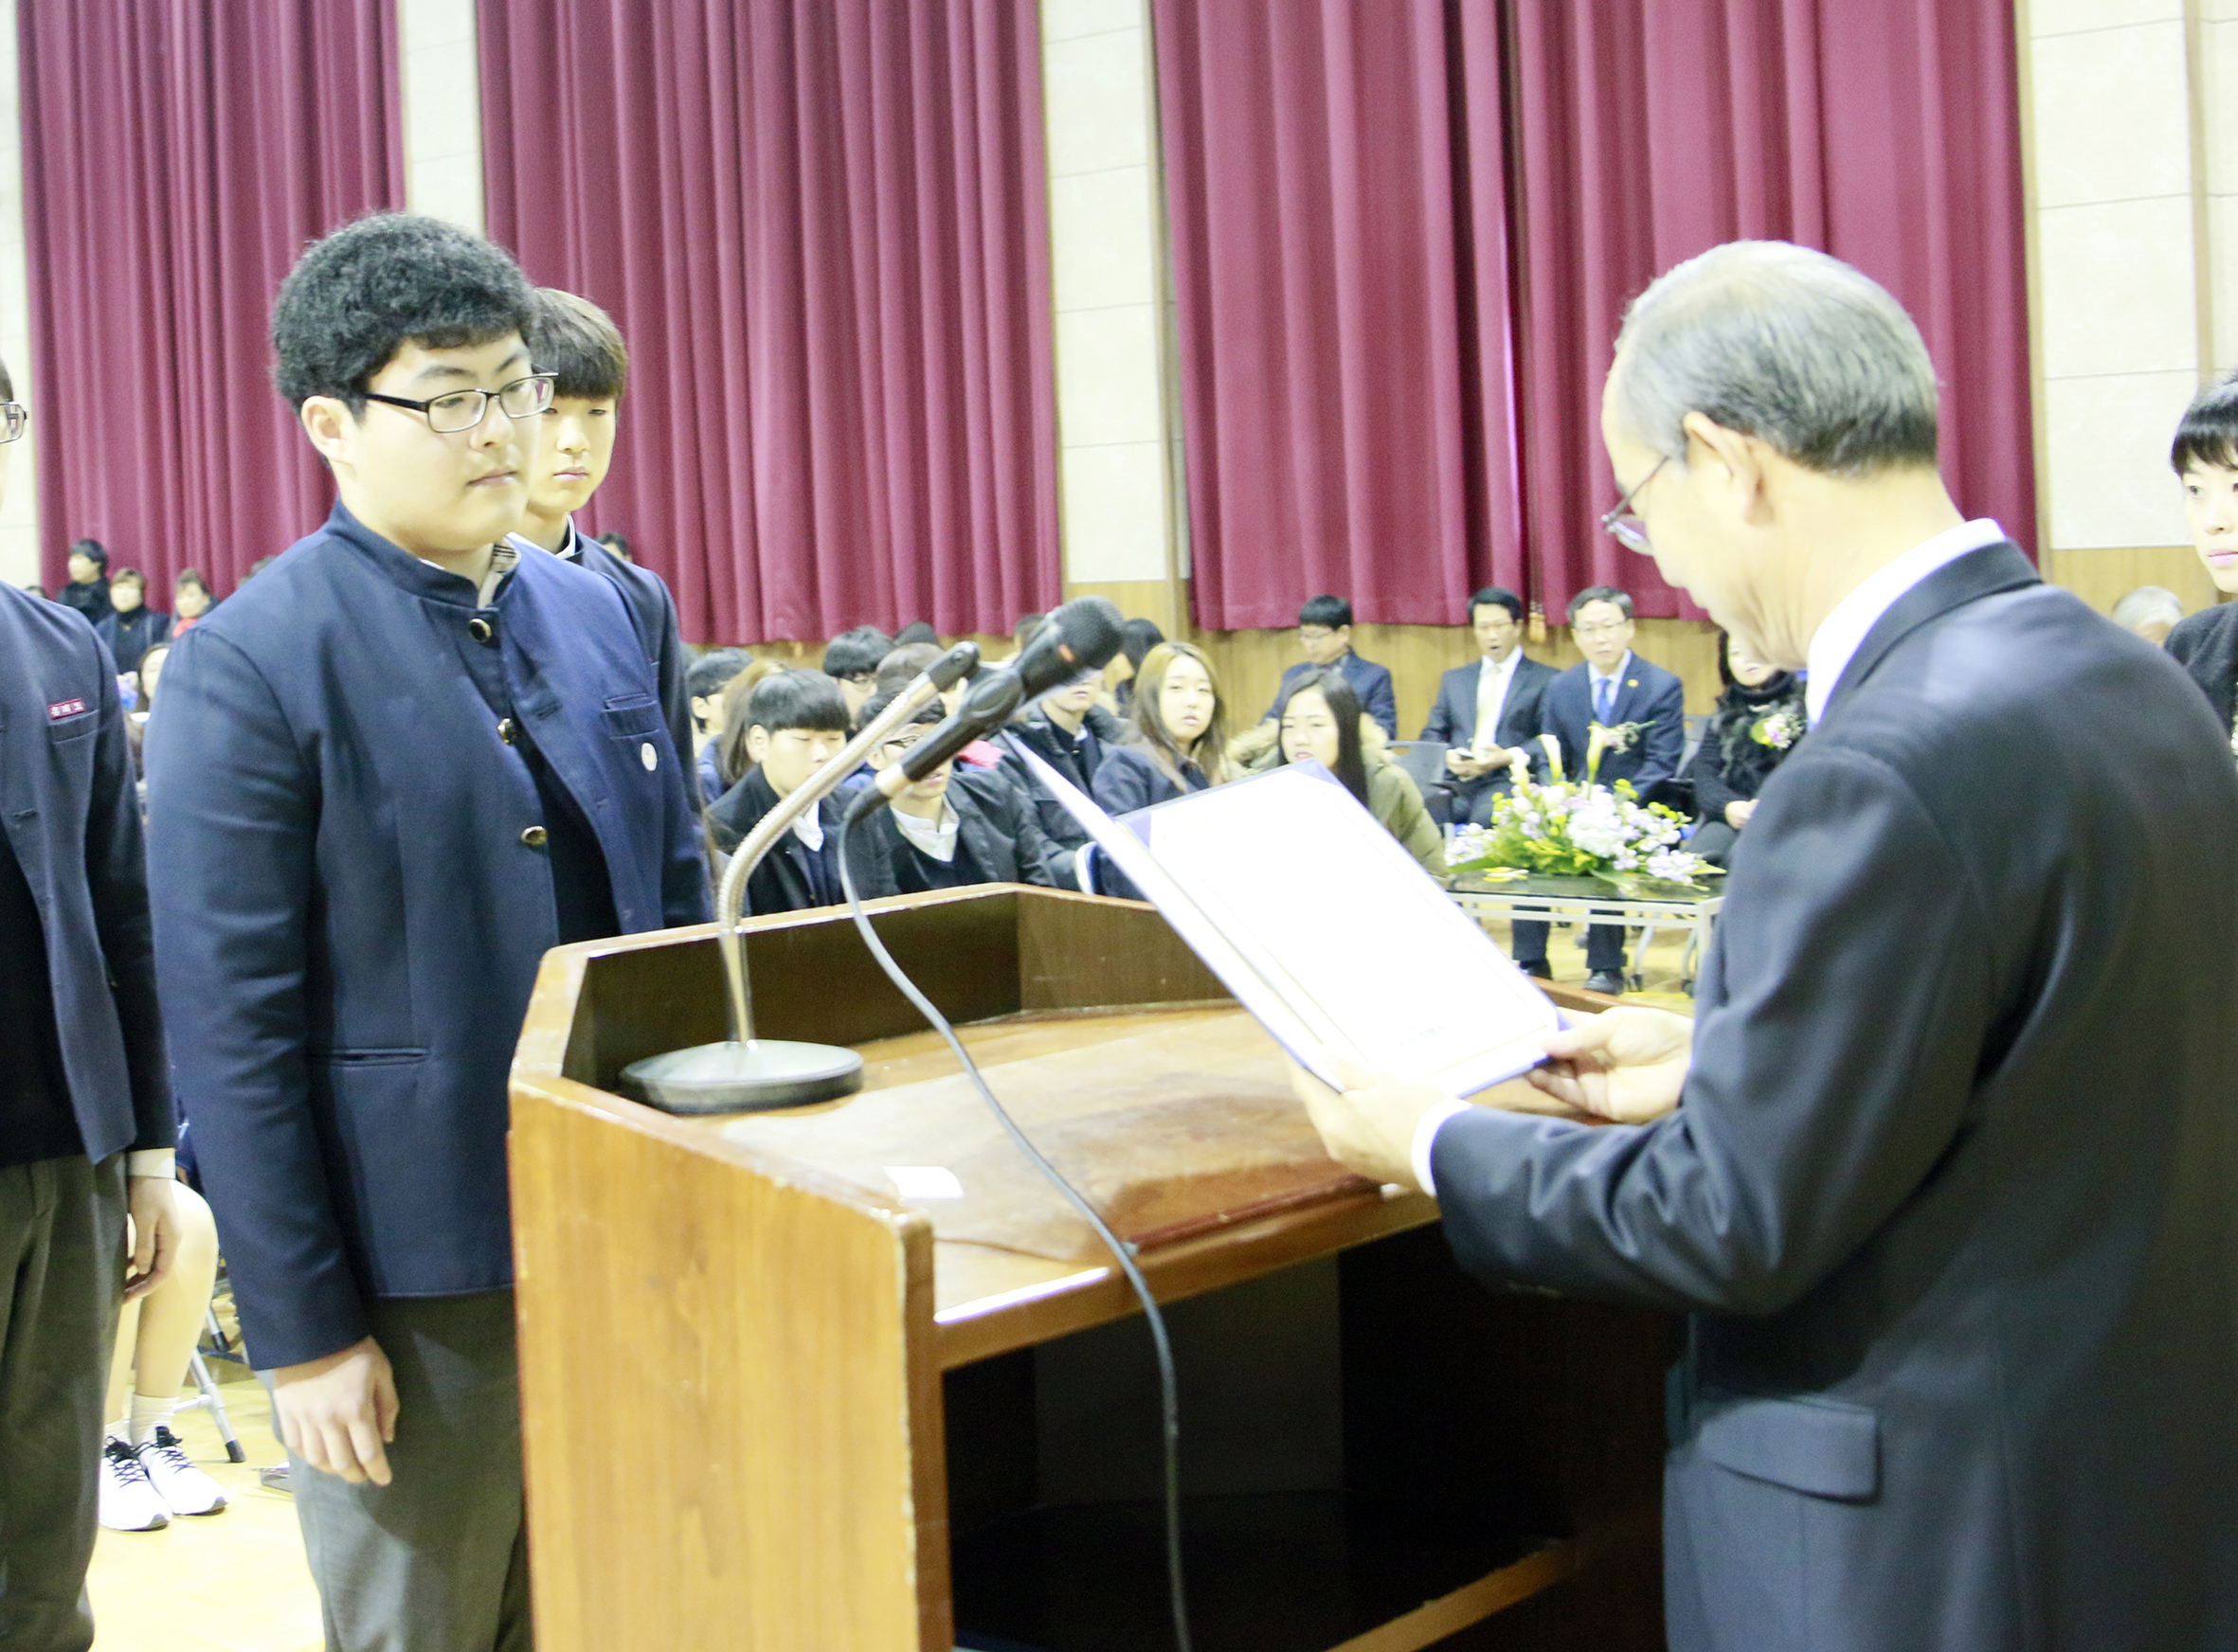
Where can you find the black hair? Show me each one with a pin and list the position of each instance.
(1028, 627)
(1137, 638)
(797, 699)
(129, 575)
(902, 665)
(2208, 433)
(915, 630)
(1600, 594)
(1496, 597)
(192, 576)
(856, 653)
(574, 338)
(875, 707)
(1344, 705)
(712, 670)
(1332, 612)
(93, 551)
(6, 383)
(614, 541)
(382, 282)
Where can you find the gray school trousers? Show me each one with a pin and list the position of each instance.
(62, 1273)
(438, 1559)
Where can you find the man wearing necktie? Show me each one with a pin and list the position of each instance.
(1488, 707)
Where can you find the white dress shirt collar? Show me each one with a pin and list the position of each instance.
(1485, 668)
(1595, 674)
(1839, 636)
(936, 839)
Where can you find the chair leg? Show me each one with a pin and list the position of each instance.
(214, 1402)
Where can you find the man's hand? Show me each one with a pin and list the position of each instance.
(1370, 1126)
(154, 1233)
(1738, 812)
(336, 1413)
(1626, 1065)
(1498, 758)
(1463, 762)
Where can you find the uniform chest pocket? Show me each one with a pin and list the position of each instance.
(631, 716)
(74, 728)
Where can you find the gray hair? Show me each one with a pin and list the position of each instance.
(1782, 343)
(2145, 605)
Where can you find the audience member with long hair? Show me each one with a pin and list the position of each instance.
(1758, 721)
(1177, 734)
(1322, 719)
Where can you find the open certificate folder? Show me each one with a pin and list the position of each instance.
(1326, 929)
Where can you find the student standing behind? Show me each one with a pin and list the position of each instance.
(951, 829)
(1325, 632)
(398, 767)
(85, 1109)
(1489, 707)
(795, 723)
(577, 344)
(130, 627)
(2204, 457)
(88, 589)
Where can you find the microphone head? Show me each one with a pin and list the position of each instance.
(1082, 635)
(954, 666)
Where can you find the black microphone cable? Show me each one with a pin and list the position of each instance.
(1121, 1252)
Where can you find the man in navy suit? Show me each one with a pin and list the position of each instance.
(383, 778)
(1944, 1167)
(86, 1126)
(1645, 707)
(1488, 708)
(1325, 632)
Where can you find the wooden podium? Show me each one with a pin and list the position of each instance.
(771, 1404)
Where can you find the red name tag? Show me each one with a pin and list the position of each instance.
(61, 708)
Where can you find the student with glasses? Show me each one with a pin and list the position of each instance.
(1324, 634)
(394, 770)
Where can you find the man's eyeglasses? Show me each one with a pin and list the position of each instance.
(1628, 530)
(14, 419)
(465, 409)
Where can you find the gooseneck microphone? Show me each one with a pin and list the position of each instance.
(1082, 635)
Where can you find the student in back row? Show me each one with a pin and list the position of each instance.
(1325, 632)
(796, 722)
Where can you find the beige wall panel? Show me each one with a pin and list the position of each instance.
(2102, 578)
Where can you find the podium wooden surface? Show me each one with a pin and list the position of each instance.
(757, 1382)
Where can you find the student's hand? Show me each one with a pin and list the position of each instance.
(336, 1413)
(1626, 1065)
(154, 1233)
(1737, 813)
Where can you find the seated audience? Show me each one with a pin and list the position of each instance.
(1176, 740)
(851, 659)
(2151, 612)
(949, 829)
(131, 626)
(1136, 638)
(2205, 455)
(916, 631)
(732, 761)
(1758, 721)
(191, 598)
(796, 722)
(1325, 632)
(704, 682)
(1646, 706)
(146, 1476)
(136, 720)
(1068, 730)
(1489, 707)
(903, 666)
(1322, 720)
(88, 589)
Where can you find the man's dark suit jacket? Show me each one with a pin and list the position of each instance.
(356, 890)
(793, 877)
(653, 616)
(2206, 645)
(1646, 695)
(1370, 681)
(1951, 1190)
(68, 806)
(995, 824)
(1452, 719)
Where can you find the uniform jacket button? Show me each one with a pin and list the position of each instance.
(533, 836)
(479, 629)
(508, 730)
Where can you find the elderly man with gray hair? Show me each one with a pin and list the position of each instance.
(1942, 1169)
(2151, 612)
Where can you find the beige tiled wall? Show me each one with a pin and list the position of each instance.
(2127, 322)
(441, 109)
(19, 508)
(1117, 438)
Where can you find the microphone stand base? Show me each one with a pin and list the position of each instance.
(743, 1078)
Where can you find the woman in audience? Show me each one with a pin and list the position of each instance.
(1758, 721)
(1322, 720)
(1177, 736)
(191, 598)
(731, 758)
(2205, 455)
(146, 1476)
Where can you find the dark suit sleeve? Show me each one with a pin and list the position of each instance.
(1664, 740)
(1382, 702)
(233, 820)
(117, 875)
(1442, 726)
(1830, 1071)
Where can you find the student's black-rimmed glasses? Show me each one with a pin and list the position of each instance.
(460, 410)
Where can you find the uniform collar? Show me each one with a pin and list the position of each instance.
(417, 575)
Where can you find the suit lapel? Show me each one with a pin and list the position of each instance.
(1982, 573)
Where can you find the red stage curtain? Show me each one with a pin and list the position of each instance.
(822, 226)
(177, 158)
(1336, 184)
(1885, 132)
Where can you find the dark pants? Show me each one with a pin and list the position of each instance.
(1604, 944)
(1713, 841)
(436, 1560)
(62, 1273)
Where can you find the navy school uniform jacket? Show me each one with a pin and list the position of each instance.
(1646, 695)
(1370, 681)
(653, 616)
(999, 839)
(69, 808)
(793, 877)
(357, 783)
(1076, 758)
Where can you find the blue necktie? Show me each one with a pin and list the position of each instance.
(1604, 699)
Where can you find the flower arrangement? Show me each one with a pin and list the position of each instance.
(1563, 828)
(1777, 729)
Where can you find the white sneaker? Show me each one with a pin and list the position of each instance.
(183, 1488)
(129, 1502)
